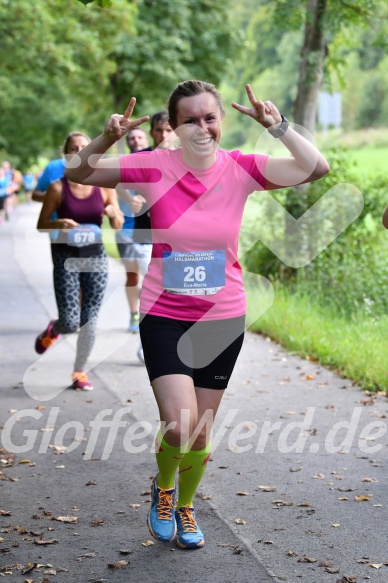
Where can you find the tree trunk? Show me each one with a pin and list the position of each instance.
(311, 66)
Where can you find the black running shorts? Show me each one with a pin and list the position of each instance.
(205, 351)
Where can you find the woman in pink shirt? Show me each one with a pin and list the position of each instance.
(193, 301)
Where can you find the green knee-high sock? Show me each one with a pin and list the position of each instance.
(191, 470)
(168, 459)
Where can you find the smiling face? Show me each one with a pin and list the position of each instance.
(199, 128)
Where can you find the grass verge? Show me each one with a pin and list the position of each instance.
(355, 348)
(109, 238)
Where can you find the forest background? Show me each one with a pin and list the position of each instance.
(67, 64)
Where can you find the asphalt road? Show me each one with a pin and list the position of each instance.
(296, 488)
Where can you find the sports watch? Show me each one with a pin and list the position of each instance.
(281, 129)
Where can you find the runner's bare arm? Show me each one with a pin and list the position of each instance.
(112, 209)
(51, 203)
(306, 162)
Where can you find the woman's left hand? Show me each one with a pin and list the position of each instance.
(264, 112)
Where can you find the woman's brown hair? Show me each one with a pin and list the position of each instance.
(68, 139)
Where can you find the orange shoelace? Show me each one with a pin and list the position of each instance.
(80, 376)
(188, 521)
(47, 341)
(165, 505)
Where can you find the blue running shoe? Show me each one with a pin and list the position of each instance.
(189, 534)
(134, 323)
(161, 517)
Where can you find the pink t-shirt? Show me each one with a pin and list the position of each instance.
(196, 217)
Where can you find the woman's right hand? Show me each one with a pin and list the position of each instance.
(119, 125)
(67, 224)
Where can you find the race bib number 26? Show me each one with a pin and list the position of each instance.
(196, 273)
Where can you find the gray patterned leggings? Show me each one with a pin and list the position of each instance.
(73, 313)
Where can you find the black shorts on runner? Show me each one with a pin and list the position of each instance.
(124, 250)
(205, 351)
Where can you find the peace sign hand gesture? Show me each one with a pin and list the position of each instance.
(263, 112)
(119, 125)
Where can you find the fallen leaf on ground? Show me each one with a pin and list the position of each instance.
(135, 505)
(370, 401)
(267, 488)
(58, 448)
(376, 565)
(118, 565)
(362, 498)
(97, 522)
(87, 556)
(68, 519)
(29, 567)
(307, 560)
(148, 543)
(319, 477)
(282, 503)
(240, 521)
(243, 493)
(51, 541)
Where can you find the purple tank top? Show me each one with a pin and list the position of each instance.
(83, 210)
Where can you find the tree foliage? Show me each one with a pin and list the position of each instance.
(65, 69)
(343, 27)
(53, 60)
(175, 40)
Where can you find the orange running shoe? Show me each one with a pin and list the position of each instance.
(81, 382)
(46, 339)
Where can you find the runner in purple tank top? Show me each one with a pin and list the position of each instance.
(80, 285)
